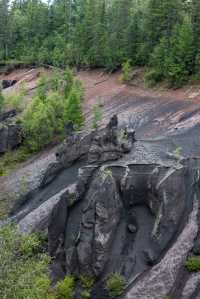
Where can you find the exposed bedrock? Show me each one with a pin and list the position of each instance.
(10, 135)
(8, 83)
(94, 147)
(128, 219)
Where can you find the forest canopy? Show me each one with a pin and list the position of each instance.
(163, 35)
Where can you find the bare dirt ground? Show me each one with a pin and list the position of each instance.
(153, 112)
(163, 110)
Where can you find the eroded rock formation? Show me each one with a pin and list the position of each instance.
(137, 219)
(10, 134)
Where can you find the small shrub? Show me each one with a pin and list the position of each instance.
(126, 71)
(15, 101)
(29, 245)
(115, 285)
(66, 288)
(193, 264)
(73, 108)
(97, 116)
(86, 282)
(152, 77)
(37, 123)
(107, 173)
(24, 270)
(178, 152)
(85, 294)
(43, 87)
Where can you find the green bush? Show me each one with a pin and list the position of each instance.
(126, 71)
(58, 102)
(66, 289)
(73, 107)
(193, 264)
(152, 77)
(15, 101)
(24, 269)
(38, 125)
(85, 294)
(87, 282)
(115, 285)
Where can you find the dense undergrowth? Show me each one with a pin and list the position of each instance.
(24, 271)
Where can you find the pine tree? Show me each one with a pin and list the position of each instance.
(4, 29)
(163, 15)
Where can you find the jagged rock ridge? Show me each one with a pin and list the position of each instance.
(126, 218)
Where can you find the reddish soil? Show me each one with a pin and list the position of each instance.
(161, 110)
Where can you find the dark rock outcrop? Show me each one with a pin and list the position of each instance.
(94, 147)
(8, 83)
(7, 114)
(10, 136)
(125, 218)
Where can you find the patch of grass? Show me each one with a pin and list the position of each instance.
(115, 285)
(11, 159)
(193, 264)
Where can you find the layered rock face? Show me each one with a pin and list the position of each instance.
(136, 219)
(10, 136)
(10, 132)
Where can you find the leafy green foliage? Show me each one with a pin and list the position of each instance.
(73, 107)
(66, 289)
(172, 59)
(115, 285)
(85, 294)
(193, 264)
(58, 101)
(87, 282)
(126, 71)
(24, 268)
(37, 124)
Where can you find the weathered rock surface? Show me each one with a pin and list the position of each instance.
(39, 218)
(126, 220)
(157, 282)
(139, 219)
(10, 136)
(8, 83)
(94, 147)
